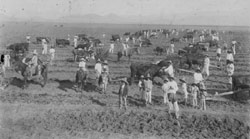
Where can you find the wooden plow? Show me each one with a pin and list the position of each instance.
(219, 97)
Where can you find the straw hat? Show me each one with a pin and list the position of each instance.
(105, 62)
(142, 76)
(171, 78)
(198, 69)
(170, 61)
(98, 60)
(148, 75)
(165, 79)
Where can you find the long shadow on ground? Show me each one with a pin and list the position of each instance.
(19, 82)
(68, 84)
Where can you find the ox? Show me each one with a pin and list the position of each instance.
(62, 42)
(17, 47)
(241, 82)
(159, 50)
(115, 37)
(137, 69)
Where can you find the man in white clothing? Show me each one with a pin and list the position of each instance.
(75, 41)
(206, 65)
(82, 64)
(45, 47)
(230, 72)
(229, 56)
(165, 88)
(173, 104)
(198, 76)
(233, 46)
(52, 54)
(169, 70)
(98, 68)
(112, 46)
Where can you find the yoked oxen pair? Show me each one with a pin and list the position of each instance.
(137, 69)
(241, 87)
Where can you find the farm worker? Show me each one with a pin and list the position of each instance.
(75, 41)
(127, 39)
(127, 48)
(194, 92)
(82, 64)
(233, 46)
(1, 74)
(33, 63)
(168, 70)
(224, 45)
(230, 72)
(103, 81)
(123, 93)
(68, 37)
(148, 90)
(112, 46)
(124, 49)
(45, 47)
(218, 51)
(203, 94)
(52, 54)
(173, 104)
(184, 90)
(172, 47)
(206, 65)
(198, 76)
(141, 86)
(105, 66)
(165, 88)
(6, 60)
(98, 68)
(28, 38)
(229, 56)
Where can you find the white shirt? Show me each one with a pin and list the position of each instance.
(230, 57)
(197, 77)
(173, 87)
(98, 67)
(234, 42)
(169, 70)
(206, 61)
(218, 51)
(230, 69)
(82, 64)
(172, 45)
(165, 87)
(184, 88)
(52, 50)
(112, 46)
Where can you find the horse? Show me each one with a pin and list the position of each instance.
(103, 81)
(81, 80)
(23, 69)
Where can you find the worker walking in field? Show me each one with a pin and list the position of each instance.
(206, 66)
(172, 47)
(141, 87)
(98, 69)
(225, 48)
(218, 55)
(183, 89)
(105, 66)
(7, 59)
(194, 92)
(198, 76)
(45, 47)
(112, 46)
(173, 104)
(123, 93)
(165, 88)
(75, 41)
(229, 57)
(169, 71)
(52, 54)
(230, 72)
(233, 47)
(82, 64)
(148, 90)
(203, 94)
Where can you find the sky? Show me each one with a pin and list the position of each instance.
(53, 9)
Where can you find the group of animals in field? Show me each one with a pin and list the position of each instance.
(85, 47)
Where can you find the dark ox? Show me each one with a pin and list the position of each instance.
(241, 84)
(81, 80)
(126, 34)
(137, 69)
(39, 39)
(19, 47)
(175, 40)
(115, 37)
(130, 53)
(191, 59)
(159, 50)
(81, 53)
(145, 42)
(62, 42)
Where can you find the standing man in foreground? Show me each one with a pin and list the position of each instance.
(173, 104)
(123, 93)
(148, 90)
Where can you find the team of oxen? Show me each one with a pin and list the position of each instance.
(90, 47)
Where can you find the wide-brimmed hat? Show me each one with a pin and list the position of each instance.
(206, 55)
(98, 60)
(171, 78)
(198, 69)
(165, 79)
(194, 84)
(183, 80)
(35, 52)
(142, 76)
(170, 61)
(105, 62)
(148, 75)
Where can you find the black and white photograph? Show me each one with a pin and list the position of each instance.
(125, 69)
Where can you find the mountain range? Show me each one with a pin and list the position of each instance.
(205, 18)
